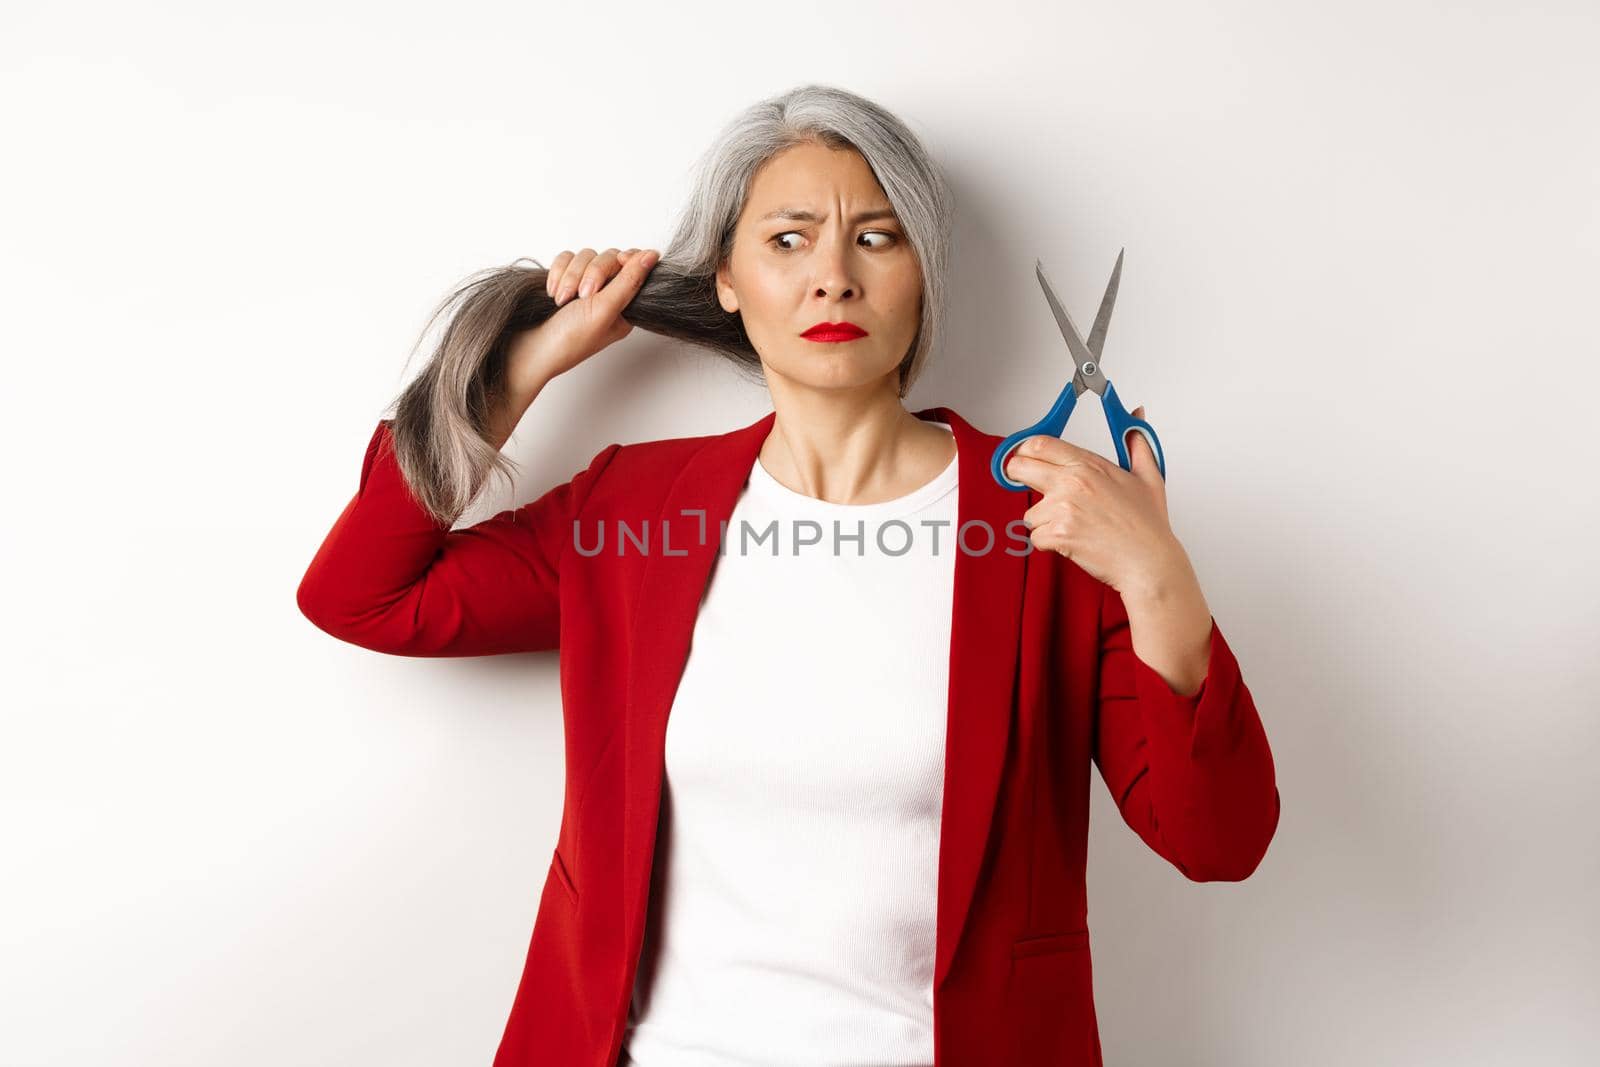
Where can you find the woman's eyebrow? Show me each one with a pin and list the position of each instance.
(801, 215)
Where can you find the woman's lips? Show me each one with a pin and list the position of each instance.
(834, 332)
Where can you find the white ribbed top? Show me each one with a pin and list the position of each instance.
(795, 883)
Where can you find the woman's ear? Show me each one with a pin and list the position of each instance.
(725, 294)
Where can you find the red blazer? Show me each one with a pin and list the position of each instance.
(1043, 679)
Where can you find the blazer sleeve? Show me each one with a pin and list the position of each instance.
(390, 578)
(1192, 775)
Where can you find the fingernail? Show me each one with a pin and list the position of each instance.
(584, 289)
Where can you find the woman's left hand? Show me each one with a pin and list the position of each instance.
(1111, 522)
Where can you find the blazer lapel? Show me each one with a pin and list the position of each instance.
(985, 622)
(670, 590)
(985, 625)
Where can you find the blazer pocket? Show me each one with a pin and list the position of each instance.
(1044, 944)
(559, 865)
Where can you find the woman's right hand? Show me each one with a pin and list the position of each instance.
(603, 283)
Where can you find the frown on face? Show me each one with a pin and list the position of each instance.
(817, 241)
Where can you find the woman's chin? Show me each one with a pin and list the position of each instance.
(833, 370)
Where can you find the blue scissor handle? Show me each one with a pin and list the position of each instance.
(1122, 424)
(1117, 418)
(1052, 424)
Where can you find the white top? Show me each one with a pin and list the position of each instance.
(795, 880)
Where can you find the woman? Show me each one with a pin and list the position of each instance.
(863, 838)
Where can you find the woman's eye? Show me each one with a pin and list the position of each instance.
(891, 238)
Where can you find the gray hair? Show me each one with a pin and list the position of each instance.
(439, 426)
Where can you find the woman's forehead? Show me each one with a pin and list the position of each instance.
(810, 179)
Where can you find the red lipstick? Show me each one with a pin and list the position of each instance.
(834, 331)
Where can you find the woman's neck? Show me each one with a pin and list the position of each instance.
(854, 453)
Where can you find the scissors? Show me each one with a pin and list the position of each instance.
(1086, 376)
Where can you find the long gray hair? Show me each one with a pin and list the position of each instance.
(440, 420)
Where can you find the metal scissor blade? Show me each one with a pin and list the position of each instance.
(1080, 351)
(1102, 321)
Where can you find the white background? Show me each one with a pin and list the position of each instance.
(1358, 303)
